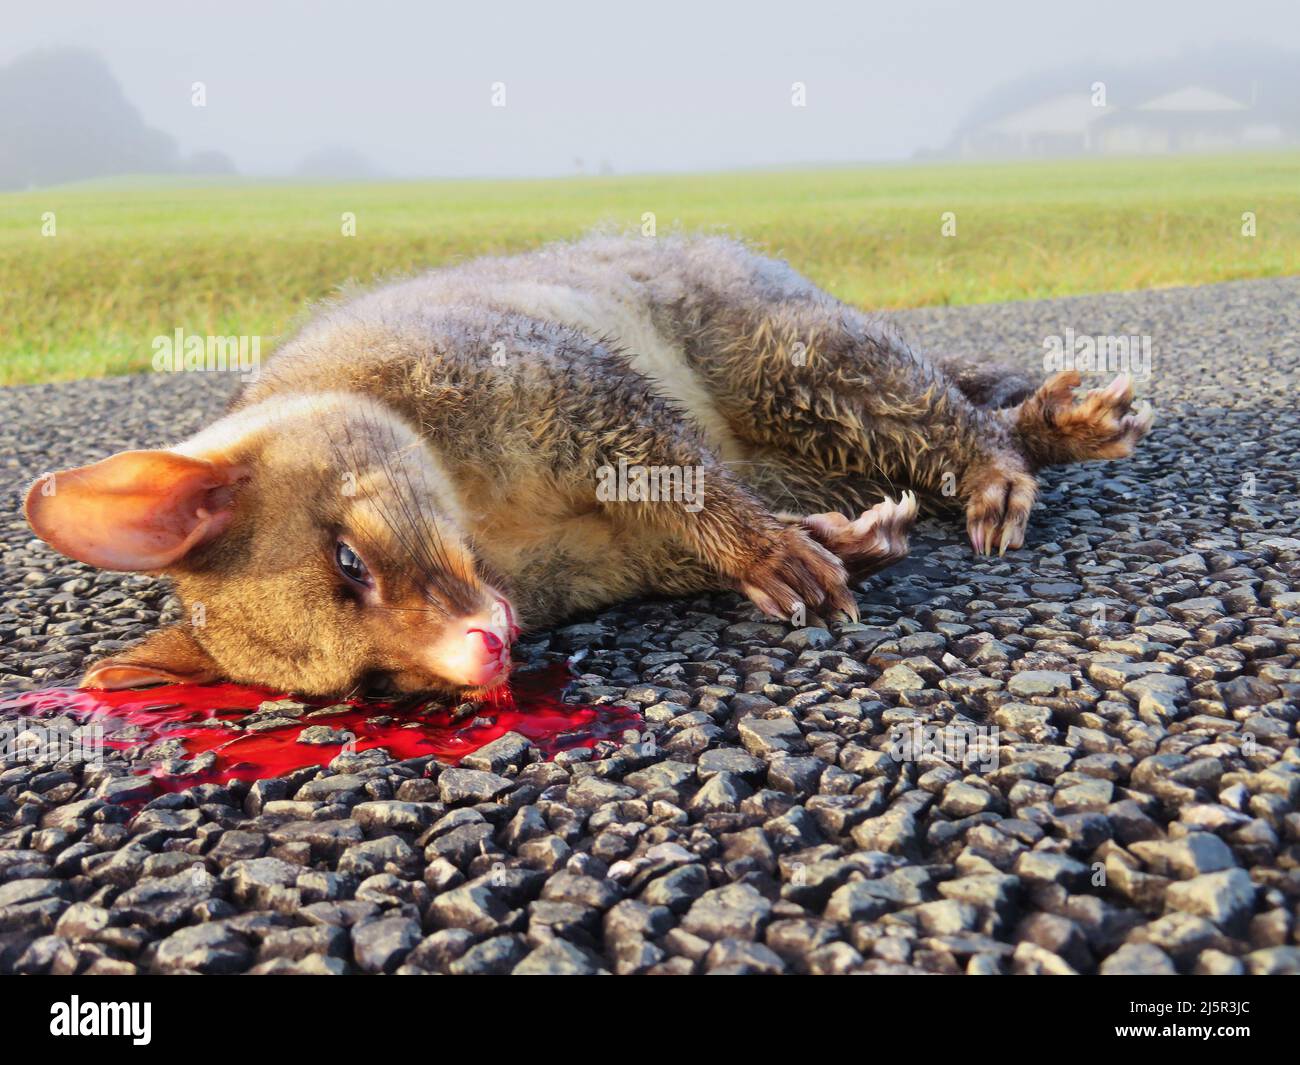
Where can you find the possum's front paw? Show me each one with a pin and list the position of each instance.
(999, 495)
(875, 539)
(794, 572)
(1103, 424)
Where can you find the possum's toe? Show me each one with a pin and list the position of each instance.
(999, 499)
(1103, 424)
(798, 574)
(875, 539)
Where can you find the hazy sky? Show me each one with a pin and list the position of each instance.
(648, 85)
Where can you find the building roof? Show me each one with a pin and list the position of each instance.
(1067, 113)
(1192, 98)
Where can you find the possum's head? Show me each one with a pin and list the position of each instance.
(315, 544)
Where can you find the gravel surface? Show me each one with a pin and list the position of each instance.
(1133, 672)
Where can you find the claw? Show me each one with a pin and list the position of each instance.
(762, 600)
(1000, 495)
(1055, 428)
(1007, 535)
(876, 538)
(842, 600)
(1144, 416)
(799, 571)
(1119, 389)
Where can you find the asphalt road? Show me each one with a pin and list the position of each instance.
(1133, 671)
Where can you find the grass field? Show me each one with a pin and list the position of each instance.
(132, 260)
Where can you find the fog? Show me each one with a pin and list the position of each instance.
(407, 90)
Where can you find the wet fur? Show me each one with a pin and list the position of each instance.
(479, 401)
(671, 351)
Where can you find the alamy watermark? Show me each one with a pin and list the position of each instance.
(1085, 353)
(31, 740)
(193, 353)
(634, 483)
(77, 1018)
(966, 745)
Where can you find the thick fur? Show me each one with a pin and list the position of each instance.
(527, 373)
(473, 407)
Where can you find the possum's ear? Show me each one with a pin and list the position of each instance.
(138, 510)
(169, 656)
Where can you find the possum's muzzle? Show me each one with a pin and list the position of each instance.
(474, 651)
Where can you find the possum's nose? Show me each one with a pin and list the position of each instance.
(491, 641)
(486, 656)
(479, 655)
(474, 651)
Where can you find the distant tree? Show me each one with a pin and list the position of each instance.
(64, 117)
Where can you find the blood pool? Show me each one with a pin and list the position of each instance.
(208, 718)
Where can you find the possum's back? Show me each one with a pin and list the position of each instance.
(642, 296)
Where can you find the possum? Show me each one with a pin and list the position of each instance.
(426, 469)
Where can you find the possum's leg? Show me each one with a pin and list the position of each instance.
(1054, 429)
(868, 543)
(1049, 425)
(821, 382)
(875, 539)
(792, 369)
(579, 446)
(780, 565)
(987, 384)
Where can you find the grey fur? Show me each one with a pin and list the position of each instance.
(507, 397)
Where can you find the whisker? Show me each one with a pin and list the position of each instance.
(427, 541)
(400, 509)
(349, 461)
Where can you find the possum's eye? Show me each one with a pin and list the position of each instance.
(351, 566)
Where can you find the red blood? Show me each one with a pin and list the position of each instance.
(198, 715)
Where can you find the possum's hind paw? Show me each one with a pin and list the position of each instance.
(1103, 424)
(999, 497)
(797, 573)
(875, 539)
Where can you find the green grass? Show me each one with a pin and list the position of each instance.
(132, 260)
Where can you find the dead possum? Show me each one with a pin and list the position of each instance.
(426, 468)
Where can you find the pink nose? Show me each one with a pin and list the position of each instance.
(486, 652)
